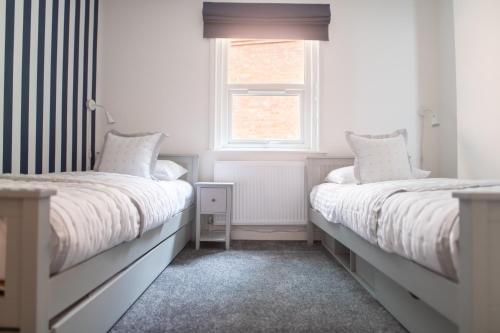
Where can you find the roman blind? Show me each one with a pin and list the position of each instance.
(266, 20)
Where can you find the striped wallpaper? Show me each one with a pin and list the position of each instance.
(47, 73)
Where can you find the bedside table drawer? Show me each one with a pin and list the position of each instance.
(212, 200)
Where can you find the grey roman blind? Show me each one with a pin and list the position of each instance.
(266, 20)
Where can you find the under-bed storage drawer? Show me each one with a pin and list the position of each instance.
(213, 200)
(413, 313)
(104, 306)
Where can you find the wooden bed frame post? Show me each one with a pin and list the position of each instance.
(479, 273)
(310, 230)
(24, 303)
(316, 170)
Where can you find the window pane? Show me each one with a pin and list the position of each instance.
(265, 61)
(265, 117)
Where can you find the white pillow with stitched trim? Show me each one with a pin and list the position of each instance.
(131, 154)
(168, 170)
(345, 175)
(380, 157)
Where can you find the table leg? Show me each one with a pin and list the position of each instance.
(198, 231)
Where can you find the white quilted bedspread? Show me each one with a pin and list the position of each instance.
(416, 219)
(94, 211)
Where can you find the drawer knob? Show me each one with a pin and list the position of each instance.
(213, 199)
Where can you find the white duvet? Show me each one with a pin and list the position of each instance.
(94, 211)
(416, 219)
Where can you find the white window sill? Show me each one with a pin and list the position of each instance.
(270, 150)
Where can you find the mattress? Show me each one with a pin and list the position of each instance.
(95, 211)
(416, 219)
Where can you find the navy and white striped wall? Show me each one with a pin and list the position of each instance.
(47, 73)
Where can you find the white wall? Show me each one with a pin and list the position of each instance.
(426, 12)
(447, 91)
(477, 27)
(437, 86)
(155, 73)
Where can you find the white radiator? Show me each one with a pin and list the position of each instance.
(266, 193)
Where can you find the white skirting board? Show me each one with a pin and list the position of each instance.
(265, 232)
(266, 192)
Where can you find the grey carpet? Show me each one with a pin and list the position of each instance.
(256, 287)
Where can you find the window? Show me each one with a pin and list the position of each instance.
(266, 94)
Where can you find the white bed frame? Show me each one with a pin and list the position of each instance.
(424, 301)
(93, 295)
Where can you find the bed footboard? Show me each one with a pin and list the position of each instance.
(479, 274)
(23, 302)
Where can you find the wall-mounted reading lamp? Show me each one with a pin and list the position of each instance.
(434, 117)
(92, 106)
(434, 123)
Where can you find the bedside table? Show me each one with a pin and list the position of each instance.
(215, 199)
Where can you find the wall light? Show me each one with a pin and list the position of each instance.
(92, 106)
(434, 117)
(434, 123)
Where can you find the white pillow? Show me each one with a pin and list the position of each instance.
(380, 157)
(346, 175)
(131, 154)
(168, 170)
(419, 173)
(343, 175)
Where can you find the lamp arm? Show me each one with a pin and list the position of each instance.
(92, 106)
(434, 116)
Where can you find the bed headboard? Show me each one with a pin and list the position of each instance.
(318, 167)
(190, 162)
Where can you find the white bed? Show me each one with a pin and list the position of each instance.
(81, 247)
(416, 219)
(94, 211)
(425, 249)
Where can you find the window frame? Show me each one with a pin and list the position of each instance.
(308, 95)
